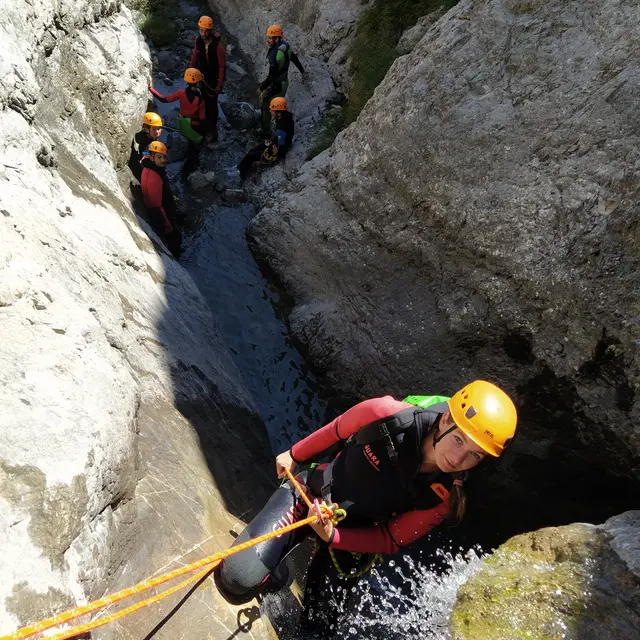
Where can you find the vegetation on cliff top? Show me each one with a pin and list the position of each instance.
(370, 55)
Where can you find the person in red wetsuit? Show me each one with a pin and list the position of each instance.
(397, 469)
(209, 57)
(192, 120)
(158, 199)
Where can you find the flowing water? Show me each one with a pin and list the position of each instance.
(405, 598)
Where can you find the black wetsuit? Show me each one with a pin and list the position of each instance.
(281, 137)
(139, 145)
(370, 495)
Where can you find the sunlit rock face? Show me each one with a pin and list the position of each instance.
(579, 582)
(125, 430)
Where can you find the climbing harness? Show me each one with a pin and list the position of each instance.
(337, 516)
(355, 573)
(204, 567)
(267, 156)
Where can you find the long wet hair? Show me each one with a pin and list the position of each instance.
(457, 496)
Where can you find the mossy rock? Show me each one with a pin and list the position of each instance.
(564, 582)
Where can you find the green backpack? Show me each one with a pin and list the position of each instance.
(425, 401)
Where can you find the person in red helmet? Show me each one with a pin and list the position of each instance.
(396, 467)
(151, 130)
(192, 120)
(209, 57)
(158, 199)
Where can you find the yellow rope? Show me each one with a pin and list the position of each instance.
(76, 631)
(209, 562)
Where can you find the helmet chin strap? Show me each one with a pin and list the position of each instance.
(437, 438)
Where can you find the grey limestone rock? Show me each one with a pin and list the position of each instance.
(480, 220)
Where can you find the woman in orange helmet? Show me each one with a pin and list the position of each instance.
(151, 130)
(158, 199)
(397, 468)
(192, 120)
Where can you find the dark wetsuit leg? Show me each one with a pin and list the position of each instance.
(253, 155)
(240, 576)
(211, 109)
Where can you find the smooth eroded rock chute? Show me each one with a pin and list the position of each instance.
(126, 427)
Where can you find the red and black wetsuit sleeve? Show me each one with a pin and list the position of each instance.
(172, 97)
(152, 191)
(344, 425)
(392, 535)
(397, 532)
(221, 53)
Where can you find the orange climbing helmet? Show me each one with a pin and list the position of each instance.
(192, 76)
(486, 414)
(152, 119)
(205, 22)
(278, 104)
(158, 147)
(275, 31)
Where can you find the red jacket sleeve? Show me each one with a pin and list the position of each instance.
(194, 56)
(221, 63)
(389, 537)
(172, 97)
(344, 425)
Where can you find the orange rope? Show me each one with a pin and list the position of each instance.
(96, 605)
(299, 489)
(99, 622)
(101, 603)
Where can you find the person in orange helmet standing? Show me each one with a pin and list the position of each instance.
(209, 57)
(192, 121)
(277, 146)
(158, 199)
(279, 56)
(151, 130)
(398, 469)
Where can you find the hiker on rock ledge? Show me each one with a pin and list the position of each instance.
(277, 146)
(192, 121)
(151, 130)
(158, 199)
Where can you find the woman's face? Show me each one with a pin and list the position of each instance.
(456, 451)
